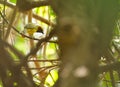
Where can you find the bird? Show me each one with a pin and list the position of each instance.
(32, 28)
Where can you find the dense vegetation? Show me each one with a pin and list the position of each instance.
(79, 46)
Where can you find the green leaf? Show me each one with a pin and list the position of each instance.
(13, 1)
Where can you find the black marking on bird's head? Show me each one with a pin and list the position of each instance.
(40, 30)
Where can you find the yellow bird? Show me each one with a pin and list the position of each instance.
(31, 28)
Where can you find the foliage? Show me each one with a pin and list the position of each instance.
(44, 64)
(35, 58)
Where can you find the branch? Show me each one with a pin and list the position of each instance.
(16, 29)
(22, 33)
(49, 60)
(113, 66)
(43, 20)
(28, 4)
(34, 51)
(14, 50)
(11, 5)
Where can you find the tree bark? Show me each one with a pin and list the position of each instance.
(84, 30)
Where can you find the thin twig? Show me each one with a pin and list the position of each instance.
(45, 68)
(15, 51)
(112, 66)
(10, 23)
(54, 60)
(16, 29)
(43, 20)
(112, 78)
(34, 51)
(22, 33)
